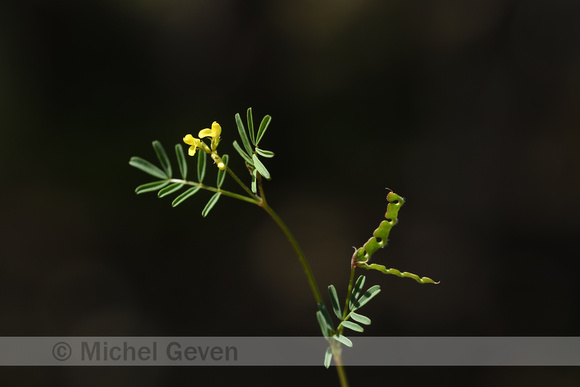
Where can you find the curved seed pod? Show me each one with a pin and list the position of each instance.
(381, 234)
(405, 274)
(379, 239)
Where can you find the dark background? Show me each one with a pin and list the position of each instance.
(467, 109)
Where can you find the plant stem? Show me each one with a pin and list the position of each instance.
(297, 249)
(313, 286)
(244, 187)
(261, 189)
(337, 354)
(261, 201)
(341, 373)
(348, 293)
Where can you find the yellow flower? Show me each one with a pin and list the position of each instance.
(194, 142)
(214, 133)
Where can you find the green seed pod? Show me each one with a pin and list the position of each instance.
(379, 240)
(381, 234)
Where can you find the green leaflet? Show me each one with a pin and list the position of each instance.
(263, 126)
(327, 319)
(162, 156)
(324, 328)
(150, 187)
(360, 318)
(352, 326)
(334, 301)
(254, 182)
(147, 167)
(260, 167)
(367, 296)
(201, 161)
(170, 189)
(251, 126)
(181, 160)
(243, 135)
(383, 269)
(242, 153)
(324, 320)
(327, 357)
(210, 204)
(343, 339)
(186, 195)
(265, 153)
(356, 290)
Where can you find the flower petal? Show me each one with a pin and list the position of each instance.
(205, 133)
(214, 132)
(190, 140)
(216, 129)
(191, 151)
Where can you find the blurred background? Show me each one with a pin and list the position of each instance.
(467, 109)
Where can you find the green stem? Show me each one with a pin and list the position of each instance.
(341, 373)
(261, 189)
(244, 187)
(261, 201)
(336, 351)
(299, 253)
(337, 354)
(348, 294)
